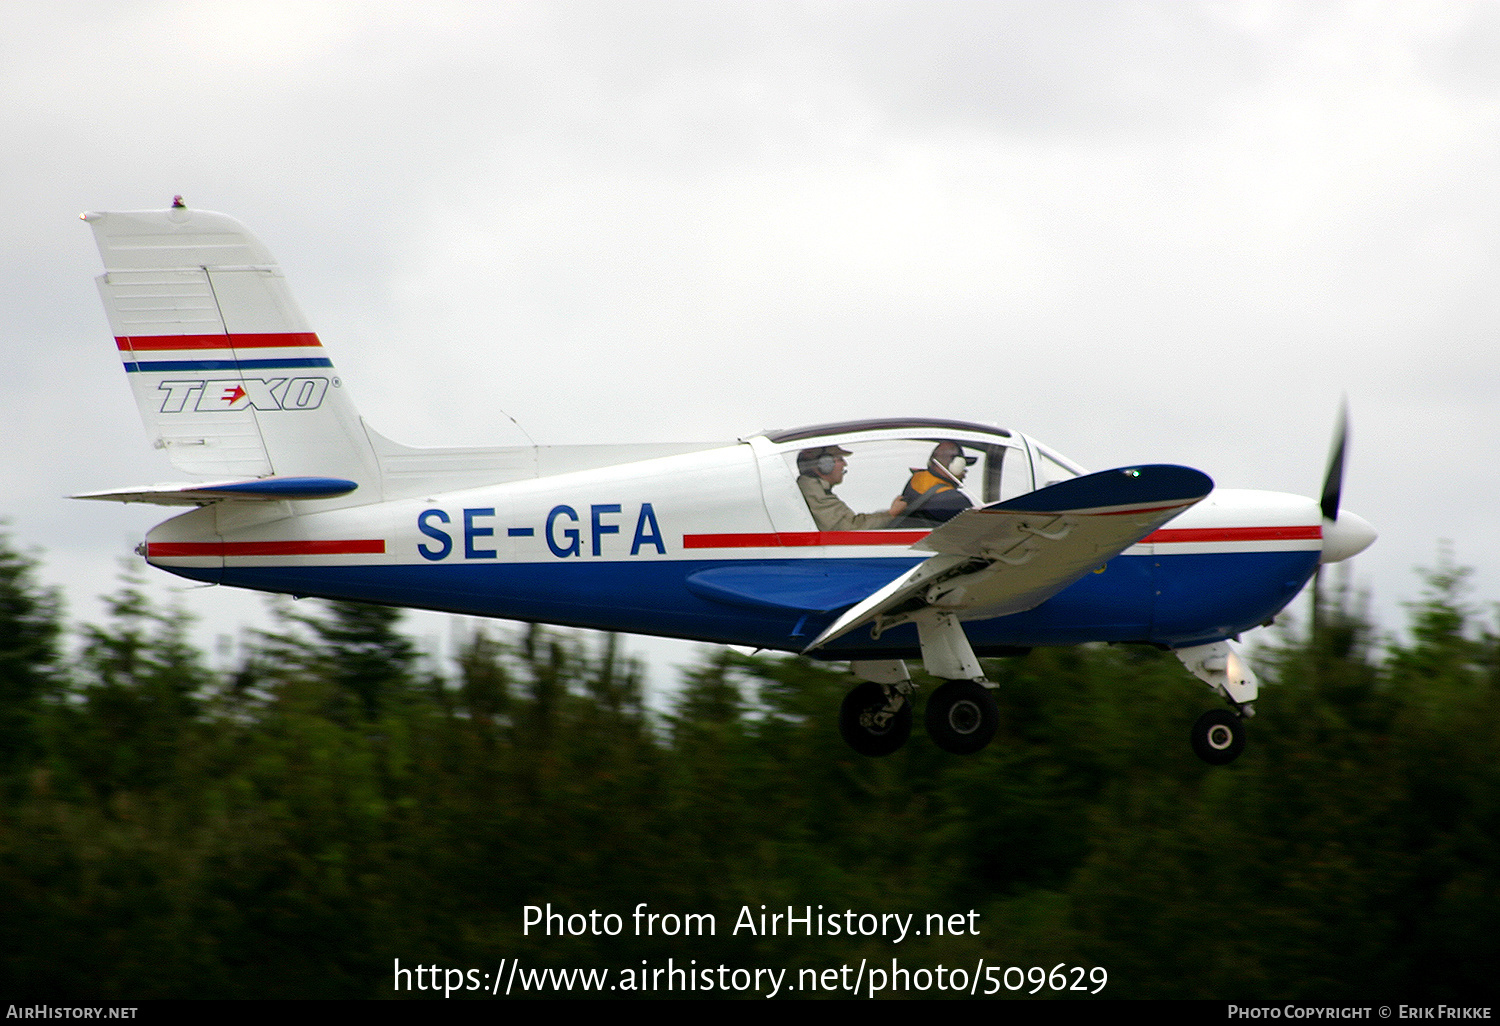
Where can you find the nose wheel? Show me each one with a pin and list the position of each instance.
(1218, 737)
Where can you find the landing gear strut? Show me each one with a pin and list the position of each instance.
(962, 716)
(1219, 735)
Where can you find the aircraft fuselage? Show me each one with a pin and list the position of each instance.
(704, 546)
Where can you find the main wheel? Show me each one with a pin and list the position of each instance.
(860, 728)
(962, 717)
(1218, 737)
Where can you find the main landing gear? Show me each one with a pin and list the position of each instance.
(962, 716)
(875, 718)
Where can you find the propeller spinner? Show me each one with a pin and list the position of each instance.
(1345, 534)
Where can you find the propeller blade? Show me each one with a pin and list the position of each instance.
(1333, 483)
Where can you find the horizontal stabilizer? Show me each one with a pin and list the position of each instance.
(260, 488)
(1014, 555)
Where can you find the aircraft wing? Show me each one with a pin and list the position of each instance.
(1014, 555)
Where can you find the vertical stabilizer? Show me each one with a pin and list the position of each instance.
(229, 378)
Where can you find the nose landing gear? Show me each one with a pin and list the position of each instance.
(1218, 737)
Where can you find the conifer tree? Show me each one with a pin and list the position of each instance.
(29, 630)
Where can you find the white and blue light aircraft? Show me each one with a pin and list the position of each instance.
(715, 543)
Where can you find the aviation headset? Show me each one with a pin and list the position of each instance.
(821, 464)
(959, 464)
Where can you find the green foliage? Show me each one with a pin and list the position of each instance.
(353, 658)
(136, 693)
(289, 828)
(29, 629)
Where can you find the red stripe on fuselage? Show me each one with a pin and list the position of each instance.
(165, 343)
(329, 547)
(1167, 535)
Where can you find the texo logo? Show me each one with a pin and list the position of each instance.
(243, 393)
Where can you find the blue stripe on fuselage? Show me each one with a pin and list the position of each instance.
(1172, 600)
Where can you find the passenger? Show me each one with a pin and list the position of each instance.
(932, 495)
(818, 471)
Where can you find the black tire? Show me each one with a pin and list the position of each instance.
(1218, 737)
(962, 717)
(860, 733)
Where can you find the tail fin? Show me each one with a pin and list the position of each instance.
(229, 378)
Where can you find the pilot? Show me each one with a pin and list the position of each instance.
(933, 494)
(818, 470)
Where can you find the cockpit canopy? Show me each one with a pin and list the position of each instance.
(977, 464)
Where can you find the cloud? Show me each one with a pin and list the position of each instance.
(1167, 231)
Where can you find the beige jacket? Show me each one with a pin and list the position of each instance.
(829, 511)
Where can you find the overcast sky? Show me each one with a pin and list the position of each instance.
(1141, 232)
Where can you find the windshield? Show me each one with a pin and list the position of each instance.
(1051, 467)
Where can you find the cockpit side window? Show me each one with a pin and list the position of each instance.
(851, 485)
(871, 473)
(1007, 473)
